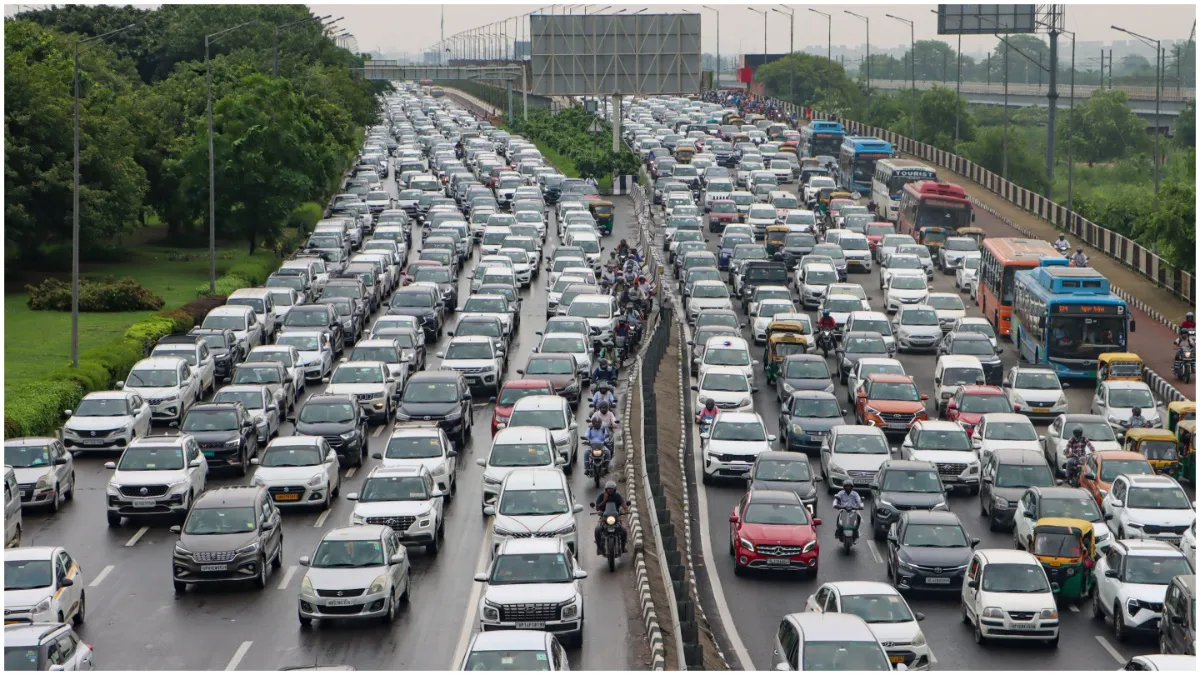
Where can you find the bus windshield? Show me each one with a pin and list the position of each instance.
(943, 213)
(1076, 337)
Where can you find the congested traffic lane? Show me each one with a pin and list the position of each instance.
(757, 602)
(136, 622)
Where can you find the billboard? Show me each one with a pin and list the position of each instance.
(643, 54)
(986, 19)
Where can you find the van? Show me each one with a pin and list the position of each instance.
(548, 490)
(1177, 628)
(258, 299)
(12, 509)
(951, 372)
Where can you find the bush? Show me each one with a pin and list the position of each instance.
(103, 295)
(183, 321)
(35, 408)
(90, 375)
(304, 217)
(253, 271)
(147, 332)
(225, 285)
(200, 307)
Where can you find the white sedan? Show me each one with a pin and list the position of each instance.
(708, 295)
(905, 287)
(1115, 400)
(886, 612)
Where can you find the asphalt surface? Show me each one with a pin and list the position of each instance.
(757, 602)
(136, 622)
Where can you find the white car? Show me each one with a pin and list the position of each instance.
(1163, 662)
(966, 275)
(952, 372)
(516, 448)
(946, 446)
(904, 289)
(299, 471)
(599, 311)
(527, 650)
(886, 612)
(721, 351)
(424, 444)
(727, 386)
(371, 560)
(890, 242)
(1115, 399)
(1058, 502)
(554, 413)
(841, 306)
(197, 356)
(761, 217)
(870, 365)
(526, 575)
(954, 250)
(1132, 578)
(871, 322)
(406, 499)
(852, 452)
(554, 292)
(1006, 595)
(708, 295)
(857, 251)
(106, 419)
(732, 443)
(976, 324)
(1035, 392)
(1004, 431)
(522, 264)
(534, 503)
(814, 186)
(921, 252)
(1148, 507)
(764, 313)
(166, 383)
(370, 382)
(812, 281)
(577, 346)
(258, 401)
(489, 305)
(916, 326)
(894, 263)
(43, 584)
(949, 308)
(159, 475)
(478, 358)
(241, 320)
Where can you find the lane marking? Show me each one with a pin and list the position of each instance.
(378, 430)
(932, 656)
(287, 578)
(137, 535)
(238, 655)
(472, 618)
(324, 514)
(1073, 608)
(100, 577)
(874, 551)
(350, 472)
(1111, 650)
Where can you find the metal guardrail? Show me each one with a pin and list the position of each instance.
(1134, 92)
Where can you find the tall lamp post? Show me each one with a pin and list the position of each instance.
(284, 26)
(829, 33)
(212, 179)
(791, 48)
(867, 59)
(1157, 94)
(764, 16)
(912, 72)
(75, 201)
(1071, 132)
(717, 75)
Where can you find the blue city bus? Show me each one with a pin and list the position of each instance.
(821, 138)
(856, 161)
(1066, 317)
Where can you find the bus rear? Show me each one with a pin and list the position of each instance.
(856, 161)
(1000, 260)
(931, 203)
(822, 138)
(891, 175)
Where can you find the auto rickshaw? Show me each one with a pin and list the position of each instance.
(781, 345)
(1118, 366)
(602, 211)
(932, 238)
(788, 326)
(1158, 446)
(1180, 411)
(1066, 547)
(774, 238)
(823, 197)
(806, 162)
(1185, 438)
(976, 233)
(684, 155)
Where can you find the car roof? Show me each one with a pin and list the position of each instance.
(1004, 555)
(356, 533)
(1126, 384)
(780, 455)
(160, 362)
(481, 339)
(1007, 417)
(523, 434)
(515, 546)
(1150, 547)
(232, 495)
(1155, 481)
(30, 634)
(435, 375)
(29, 441)
(106, 395)
(399, 470)
(509, 640)
(30, 553)
(889, 377)
(230, 309)
(539, 402)
(1018, 456)
(296, 440)
(941, 425)
(774, 496)
(933, 517)
(741, 417)
(961, 360)
(532, 479)
(821, 626)
(907, 465)
(863, 588)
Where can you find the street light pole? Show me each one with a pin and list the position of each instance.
(75, 201)
(285, 26)
(717, 75)
(791, 49)
(1071, 133)
(867, 59)
(829, 34)
(764, 16)
(912, 78)
(1157, 96)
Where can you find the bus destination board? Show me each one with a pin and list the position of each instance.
(1089, 309)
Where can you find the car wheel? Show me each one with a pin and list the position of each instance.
(304, 620)
(738, 570)
(390, 616)
(979, 638)
(1097, 608)
(79, 614)
(261, 580)
(58, 499)
(1052, 643)
(180, 586)
(71, 493)
(114, 519)
(245, 459)
(1119, 631)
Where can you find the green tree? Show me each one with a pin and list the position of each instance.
(935, 118)
(809, 74)
(886, 109)
(1106, 128)
(1185, 126)
(1025, 166)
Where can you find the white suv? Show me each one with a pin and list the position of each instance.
(159, 475)
(1131, 583)
(1148, 507)
(553, 413)
(515, 448)
(535, 503)
(477, 358)
(106, 419)
(731, 445)
(406, 499)
(167, 383)
(533, 584)
(946, 446)
(904, 289)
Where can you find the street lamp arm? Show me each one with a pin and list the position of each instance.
(215, 36)
(1018, 50)
(111, 32)
(310, 19)
(819, 12)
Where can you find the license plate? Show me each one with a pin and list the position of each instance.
(897, 425)
(339, 602)
(92, 442)
(531, 625)
(210, 453)
(1022, 626)
(214, 568)
(1041, 410)
(287, 498)
(143, 503)
(11, 623)
(896, 659)
(936, 581)
(779, 561)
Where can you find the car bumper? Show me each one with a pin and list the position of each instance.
(560, 628)
(285, 496)
(1010, 630)
(166, 411)
(361, 607)
(168, 505)
(912, 578)
(716, 468)
(758, 561)
(805, 441)
(863, 265)
(314, 371)
(86, 443)
(917, 342)
(27, 615)
(240, 568)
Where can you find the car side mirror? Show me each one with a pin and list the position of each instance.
(972, 584)
(1112, 574)
(1116, 504)
(733, 518)
(175, 529)
(481, 461)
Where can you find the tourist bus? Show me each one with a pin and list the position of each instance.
(821, 138)
(891, 175)
(1066, 317)
(928, 203)
(856, 161)
(1000, 260)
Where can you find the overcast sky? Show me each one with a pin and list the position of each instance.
(394, 28)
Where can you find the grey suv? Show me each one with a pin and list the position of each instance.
(339, 420)
(231, 534)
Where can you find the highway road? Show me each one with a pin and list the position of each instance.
(135, 621)
(754, 604)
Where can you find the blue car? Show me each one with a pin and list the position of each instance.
(726, 252)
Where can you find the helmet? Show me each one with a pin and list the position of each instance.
(623, 243)
(708, 402)
(604, 405)
(595, 422)
(610, 485)
(848, 485)
(1078, 433)
(1062, 236)
(1137, 410)
(1183, 331)
(825, 313)
(1079, 250)
(603, 386)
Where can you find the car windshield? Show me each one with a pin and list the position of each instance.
(895, 391)
(102, 407)
(149, 459)
(1129, 398)
(187, 353)
(767, 513)
(152, 378)
(431, 392)
(782, 470)
(224, 321)
(819, 277)
(985, 403)
(486, 305)
(946, 302)
(1093, 431)
(521, 454)
(738, 431)
(957, 376)
(911, 481)
(770, 309)
(817, 408)
(1036, 379)
(549, 419)
(302, 343)
(1111, 468)
(459, 350)
(1157, 498)
(865, 345)
(1158, 571)
(510, 395)
(563, 343)
(301, 316)
(543, 366)
(1082, 507)
(1010, 431)
(210, 420)
(22, 575)
(806, 369)
(943, 439)
(853, 244)
(215, 341)
(386, 354)
(533, 503)
(907, 283)
(420, 299)
(724, 382)
(861, 444)
(914, 249)
(530, 568)
(433, 273)
(1023, 475)
(877, 608)
(393, 489)
(270, 356)
(963, 244)
(904, 262)
(1014, 578)
(972, 347)
(733, 241)
(508, 660)
(710, 290)
(929, 535)
(314, 412)
(292, 455)
(591, 310)
(348, 553)
(843, 655)
(222, 520)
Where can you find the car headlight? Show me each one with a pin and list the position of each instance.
(233, 444)
(402, 417)
(788, 388)
(306, 586)
(746, 544)
(43, 606)
(180, 486)
(1133, 526)
(829, 389)
(797, 429)
(490, 613)
(834, 468)
(356, 519)
(112, 488)
(378, 585)
(809, 546)
(439, 469)
(45, 481)
(993, 613)
(1049, 613)
(973, 469)
(881, 502)
(919, 639)
(454, 414)
(316, 480)
(180, 550)
(872, 411)
(745, 401)
(1062, 400)
(248, 549)
(570, 612)
(349, 435)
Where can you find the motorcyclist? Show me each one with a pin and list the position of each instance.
(826, 321)
(597, 434)
(709, 411)
(1062, 245)
(1136, 420)
(608, 277)
(1185, 339)
(623, 248)
(848, 498)
(1078, 446)
(871, 206)
(605, 372)
(603, 395)
(605, 417)
(1079, 259)
(610, 496)
(1189, 322)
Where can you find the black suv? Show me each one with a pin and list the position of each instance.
(225, 432)
(1005, 477)
(424, 304)
(317, 317)
(339, 420)
(757, 273)
(904, 485)
(223, 344)
(440, 396)
(231, 534)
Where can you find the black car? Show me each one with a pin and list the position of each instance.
(443, 276)
(787, 471)
(422, 303)
(351, 313)
(904, 485)
(929, 551)
(440, 396)
(796, 245)
(339, 420)
(1005, 477)
(979, 346)
(223, 345)
(225, 432)
(757, 273)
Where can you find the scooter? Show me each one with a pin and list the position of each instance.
(847, 527)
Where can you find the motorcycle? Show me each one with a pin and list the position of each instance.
(826, 341)
(610, 535)
(596, 463)
(1073, 471)
(1185, 360)
(847, 527)
(1063, 248)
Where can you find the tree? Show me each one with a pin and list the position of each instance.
(1106, 128)
(1185, 126)
(809, 74)
(886, 109)
(1025, 168)
(935, 118)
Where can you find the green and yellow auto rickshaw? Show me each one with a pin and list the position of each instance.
(1066, 547)
(602, 211)
(933, 238)
(781, 345)
(1119, 366)
(774, 238)
(1180, 411)
(1185, 443)
(1158, 446)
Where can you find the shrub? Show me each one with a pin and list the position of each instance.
(253, 271)
(103, 295)
(147, 332)
(116, 357)
(90, 375)
(304, 217)
(200, 307)
(225, 285)
(35, 408)
(183, 320)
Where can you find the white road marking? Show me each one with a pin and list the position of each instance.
(321, 518)
(100, 577)
(350, 471)
(378, 430)
(932, 657)
(874, 551)
(1111, 650)
(137, 535)
(1073, 608)
(471, 621)
(287, 578)
(238, 655)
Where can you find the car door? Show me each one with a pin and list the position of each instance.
(1106, 586)
(969, 594)
(736, 517)
(141, 415)
(198, 475)
(1051, 441)
(207, 367)
(1022, 526)
(66, 568)
(269, 517)
(331, 466)
(398, 571)
(62, 472)
(191, 388)
(449, 455)
(1115, 496)
(1098, 400)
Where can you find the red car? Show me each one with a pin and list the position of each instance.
(513, 391)
(411, 271)
(773, 530)
(722, 213)
(973, 401)
(876, 232)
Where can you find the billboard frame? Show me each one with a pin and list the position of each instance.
(987, 19)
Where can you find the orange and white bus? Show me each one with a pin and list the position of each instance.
(1000, 259)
